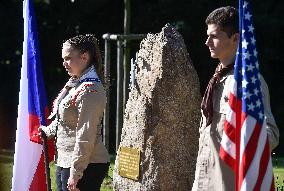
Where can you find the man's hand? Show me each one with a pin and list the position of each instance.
(71, 185)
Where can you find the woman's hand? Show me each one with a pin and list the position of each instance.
(40, 128)
(71, 185)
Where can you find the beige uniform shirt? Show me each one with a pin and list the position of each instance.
(79, 139)
(212, 174)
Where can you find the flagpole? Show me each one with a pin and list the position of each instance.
(46, 161)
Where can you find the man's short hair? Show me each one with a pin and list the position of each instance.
(227, 18)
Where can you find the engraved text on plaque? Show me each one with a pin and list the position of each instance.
(128, 164)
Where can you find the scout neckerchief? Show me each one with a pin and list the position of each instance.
(207, 103)
(89, 76)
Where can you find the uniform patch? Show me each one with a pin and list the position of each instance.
(83, 89)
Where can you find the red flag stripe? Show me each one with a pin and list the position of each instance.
(263, 163)
(227, 158)
(229, 131)
(34, 123)
(272, 188)
(246, 161)
(229, 146)
(233, 101)
(247, 129)
(38, 182)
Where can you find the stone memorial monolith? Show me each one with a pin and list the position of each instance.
(161, 118)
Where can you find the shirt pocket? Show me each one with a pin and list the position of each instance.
(221, 98)
(219, 128)
(68, 114)
(203, 168)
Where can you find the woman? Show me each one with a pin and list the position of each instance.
(82, 160)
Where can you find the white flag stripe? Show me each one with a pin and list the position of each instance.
(268, 177)
(233, 87)
(252, 173)
(246, 131)
(231, 117)
(228, 145)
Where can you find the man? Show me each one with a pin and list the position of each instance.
(212, 173)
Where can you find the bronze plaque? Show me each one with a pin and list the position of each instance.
(129, 163)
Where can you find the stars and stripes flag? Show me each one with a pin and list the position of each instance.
(28, 169)
(245, 145)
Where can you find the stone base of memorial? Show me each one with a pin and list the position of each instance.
(159, 141)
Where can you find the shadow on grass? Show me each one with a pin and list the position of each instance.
(6, 166)
(107, 183)
(278, 162)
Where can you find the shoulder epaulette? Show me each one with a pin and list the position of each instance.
(84, 87)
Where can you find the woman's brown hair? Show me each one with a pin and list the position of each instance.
(88, 43)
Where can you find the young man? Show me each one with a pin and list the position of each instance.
(212, 173)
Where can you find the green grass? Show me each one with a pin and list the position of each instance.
(107, 183)
(6, 171)
(6, 168)
(278, 169)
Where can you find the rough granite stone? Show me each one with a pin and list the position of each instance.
(162, 116)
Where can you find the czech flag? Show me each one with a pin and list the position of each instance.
(28, 169)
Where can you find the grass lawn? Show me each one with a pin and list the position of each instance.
(6, 171)
(6, 168)
(106, 186)
(278, 169)
(107, 183)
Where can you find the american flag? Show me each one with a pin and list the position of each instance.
(245, 145)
